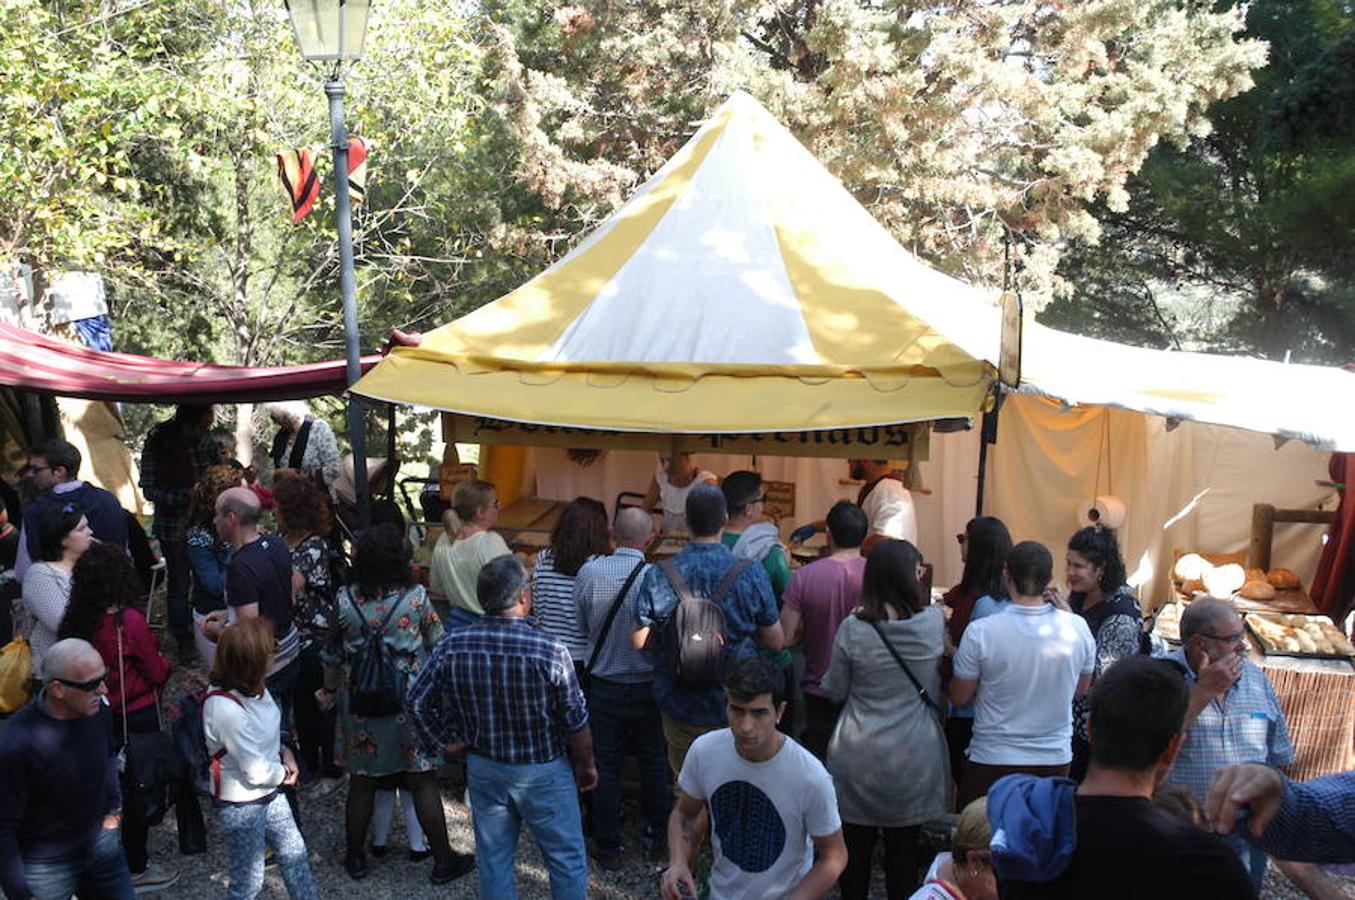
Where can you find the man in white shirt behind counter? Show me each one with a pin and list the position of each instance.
(1025, 665)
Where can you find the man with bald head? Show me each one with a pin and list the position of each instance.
(60, 804)
(1234, 716)
(260, 581)
(621, 690)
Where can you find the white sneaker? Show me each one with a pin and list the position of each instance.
(155, 878)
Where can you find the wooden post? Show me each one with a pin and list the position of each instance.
(1262, 535)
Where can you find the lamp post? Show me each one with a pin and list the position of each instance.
(335, 31)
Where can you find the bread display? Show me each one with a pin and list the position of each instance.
(1191, 567)
(1256, 574)
(1285, 579)
(1258, 590)
(1299, 635)
(1167, 622)
(1224, 581)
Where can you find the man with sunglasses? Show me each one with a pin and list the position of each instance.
(59, 797)
(1234, 716)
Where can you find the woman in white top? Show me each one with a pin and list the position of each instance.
(673, 479)
(966, 872)
(241, 722)
(466, 544)
(579, 535)
(63, 536)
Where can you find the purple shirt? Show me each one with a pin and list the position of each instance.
(824, 593)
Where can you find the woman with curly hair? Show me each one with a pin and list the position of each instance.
(104, 592)
(579, 535)
(1098, 592)
(208, 555)
(305, 520)
(382, 751)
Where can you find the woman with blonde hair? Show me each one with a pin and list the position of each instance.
(466, 544)
(966, 872)
(242, 729)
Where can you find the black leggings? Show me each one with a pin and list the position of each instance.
(901, 861)
(422, 786)
(314, 726)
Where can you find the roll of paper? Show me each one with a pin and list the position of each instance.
(1106, 510)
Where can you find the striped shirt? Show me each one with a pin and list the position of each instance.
(595, 591)
(553, 606)
(1245, 725)
(502, 685)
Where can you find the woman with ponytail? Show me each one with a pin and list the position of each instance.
(467, 543)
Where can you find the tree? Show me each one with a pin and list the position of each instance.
(1250, 224)
(956, 125)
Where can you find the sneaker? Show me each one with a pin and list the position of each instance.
(460, 864)
(155, 878)
(418, 856)
(355, 864)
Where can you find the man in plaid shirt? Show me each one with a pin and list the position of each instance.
(1234, 715)
(506, 691)
(177, 452)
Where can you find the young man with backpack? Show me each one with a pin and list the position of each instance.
(700, 612)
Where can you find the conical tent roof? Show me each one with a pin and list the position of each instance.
(742, 288)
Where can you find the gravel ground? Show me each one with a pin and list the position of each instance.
(394, 876)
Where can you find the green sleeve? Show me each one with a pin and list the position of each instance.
(778, 570)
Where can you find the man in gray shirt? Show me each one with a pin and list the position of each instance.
(620, 696)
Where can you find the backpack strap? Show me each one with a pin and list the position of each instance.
(362, 619)
(675, 580)
(731, 576)
(221, 751)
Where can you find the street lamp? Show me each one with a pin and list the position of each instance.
(335, 31)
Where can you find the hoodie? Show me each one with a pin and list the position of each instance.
(1034, 827)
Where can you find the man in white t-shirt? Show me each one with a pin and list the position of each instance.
(888, 505)
(1023, 667)
(773, 811)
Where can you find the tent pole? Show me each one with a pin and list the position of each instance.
(987, 435)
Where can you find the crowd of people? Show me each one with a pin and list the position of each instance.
(791, 724)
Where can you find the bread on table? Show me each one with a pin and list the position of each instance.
(1285, 579)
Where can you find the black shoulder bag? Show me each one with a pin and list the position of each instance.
(921, 691)
(607, 625)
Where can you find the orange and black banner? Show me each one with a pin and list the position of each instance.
(357, 169)
(299, 180)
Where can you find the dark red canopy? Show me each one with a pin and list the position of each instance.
(35, 362)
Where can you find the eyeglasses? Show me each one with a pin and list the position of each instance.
(86, 686)
(960, 538)
(758, 499)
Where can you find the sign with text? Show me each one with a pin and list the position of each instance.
(780, 499)
(893, 442)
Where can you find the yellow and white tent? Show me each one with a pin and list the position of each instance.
(742, 289)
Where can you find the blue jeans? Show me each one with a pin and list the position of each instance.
(246, 827)
(459, 617)
(503, 796)
(103, 875)
(620, 714)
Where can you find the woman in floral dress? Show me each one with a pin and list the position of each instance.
(382, 751)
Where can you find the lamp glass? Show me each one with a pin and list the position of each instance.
(329, 29)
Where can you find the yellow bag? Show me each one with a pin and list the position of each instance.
(16, 675)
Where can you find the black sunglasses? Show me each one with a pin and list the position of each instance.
(91, 685)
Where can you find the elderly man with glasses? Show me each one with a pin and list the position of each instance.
(1234, 716)
(59, 798)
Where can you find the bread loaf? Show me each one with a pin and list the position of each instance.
(1285, 579)
(1258, 590)
(1224, 580)
(1191, 567)
(1256, 574)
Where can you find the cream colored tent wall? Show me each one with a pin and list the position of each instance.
(97, 431)
(1191, 488)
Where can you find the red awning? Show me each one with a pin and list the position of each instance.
(35, 362)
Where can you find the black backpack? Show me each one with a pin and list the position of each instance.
(378, 684)
(696, 629)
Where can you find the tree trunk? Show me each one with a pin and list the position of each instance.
(1270, 295)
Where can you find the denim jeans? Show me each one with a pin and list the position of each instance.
(246, 827)
(282, 685)
(622, 714)
(103, 875)
(503, 796)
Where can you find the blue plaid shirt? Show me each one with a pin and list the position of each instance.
(595, 590)
(502, 685)
(749, 605)
(1315, 822)
(1245, 725)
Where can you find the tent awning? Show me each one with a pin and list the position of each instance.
(742, 288)
(35, 362)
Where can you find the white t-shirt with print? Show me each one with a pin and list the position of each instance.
(1027, 660)
(764, 815)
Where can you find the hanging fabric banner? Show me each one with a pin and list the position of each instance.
(299, 180)
(357, 169)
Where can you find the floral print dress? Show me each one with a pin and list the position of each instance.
(384, 745)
